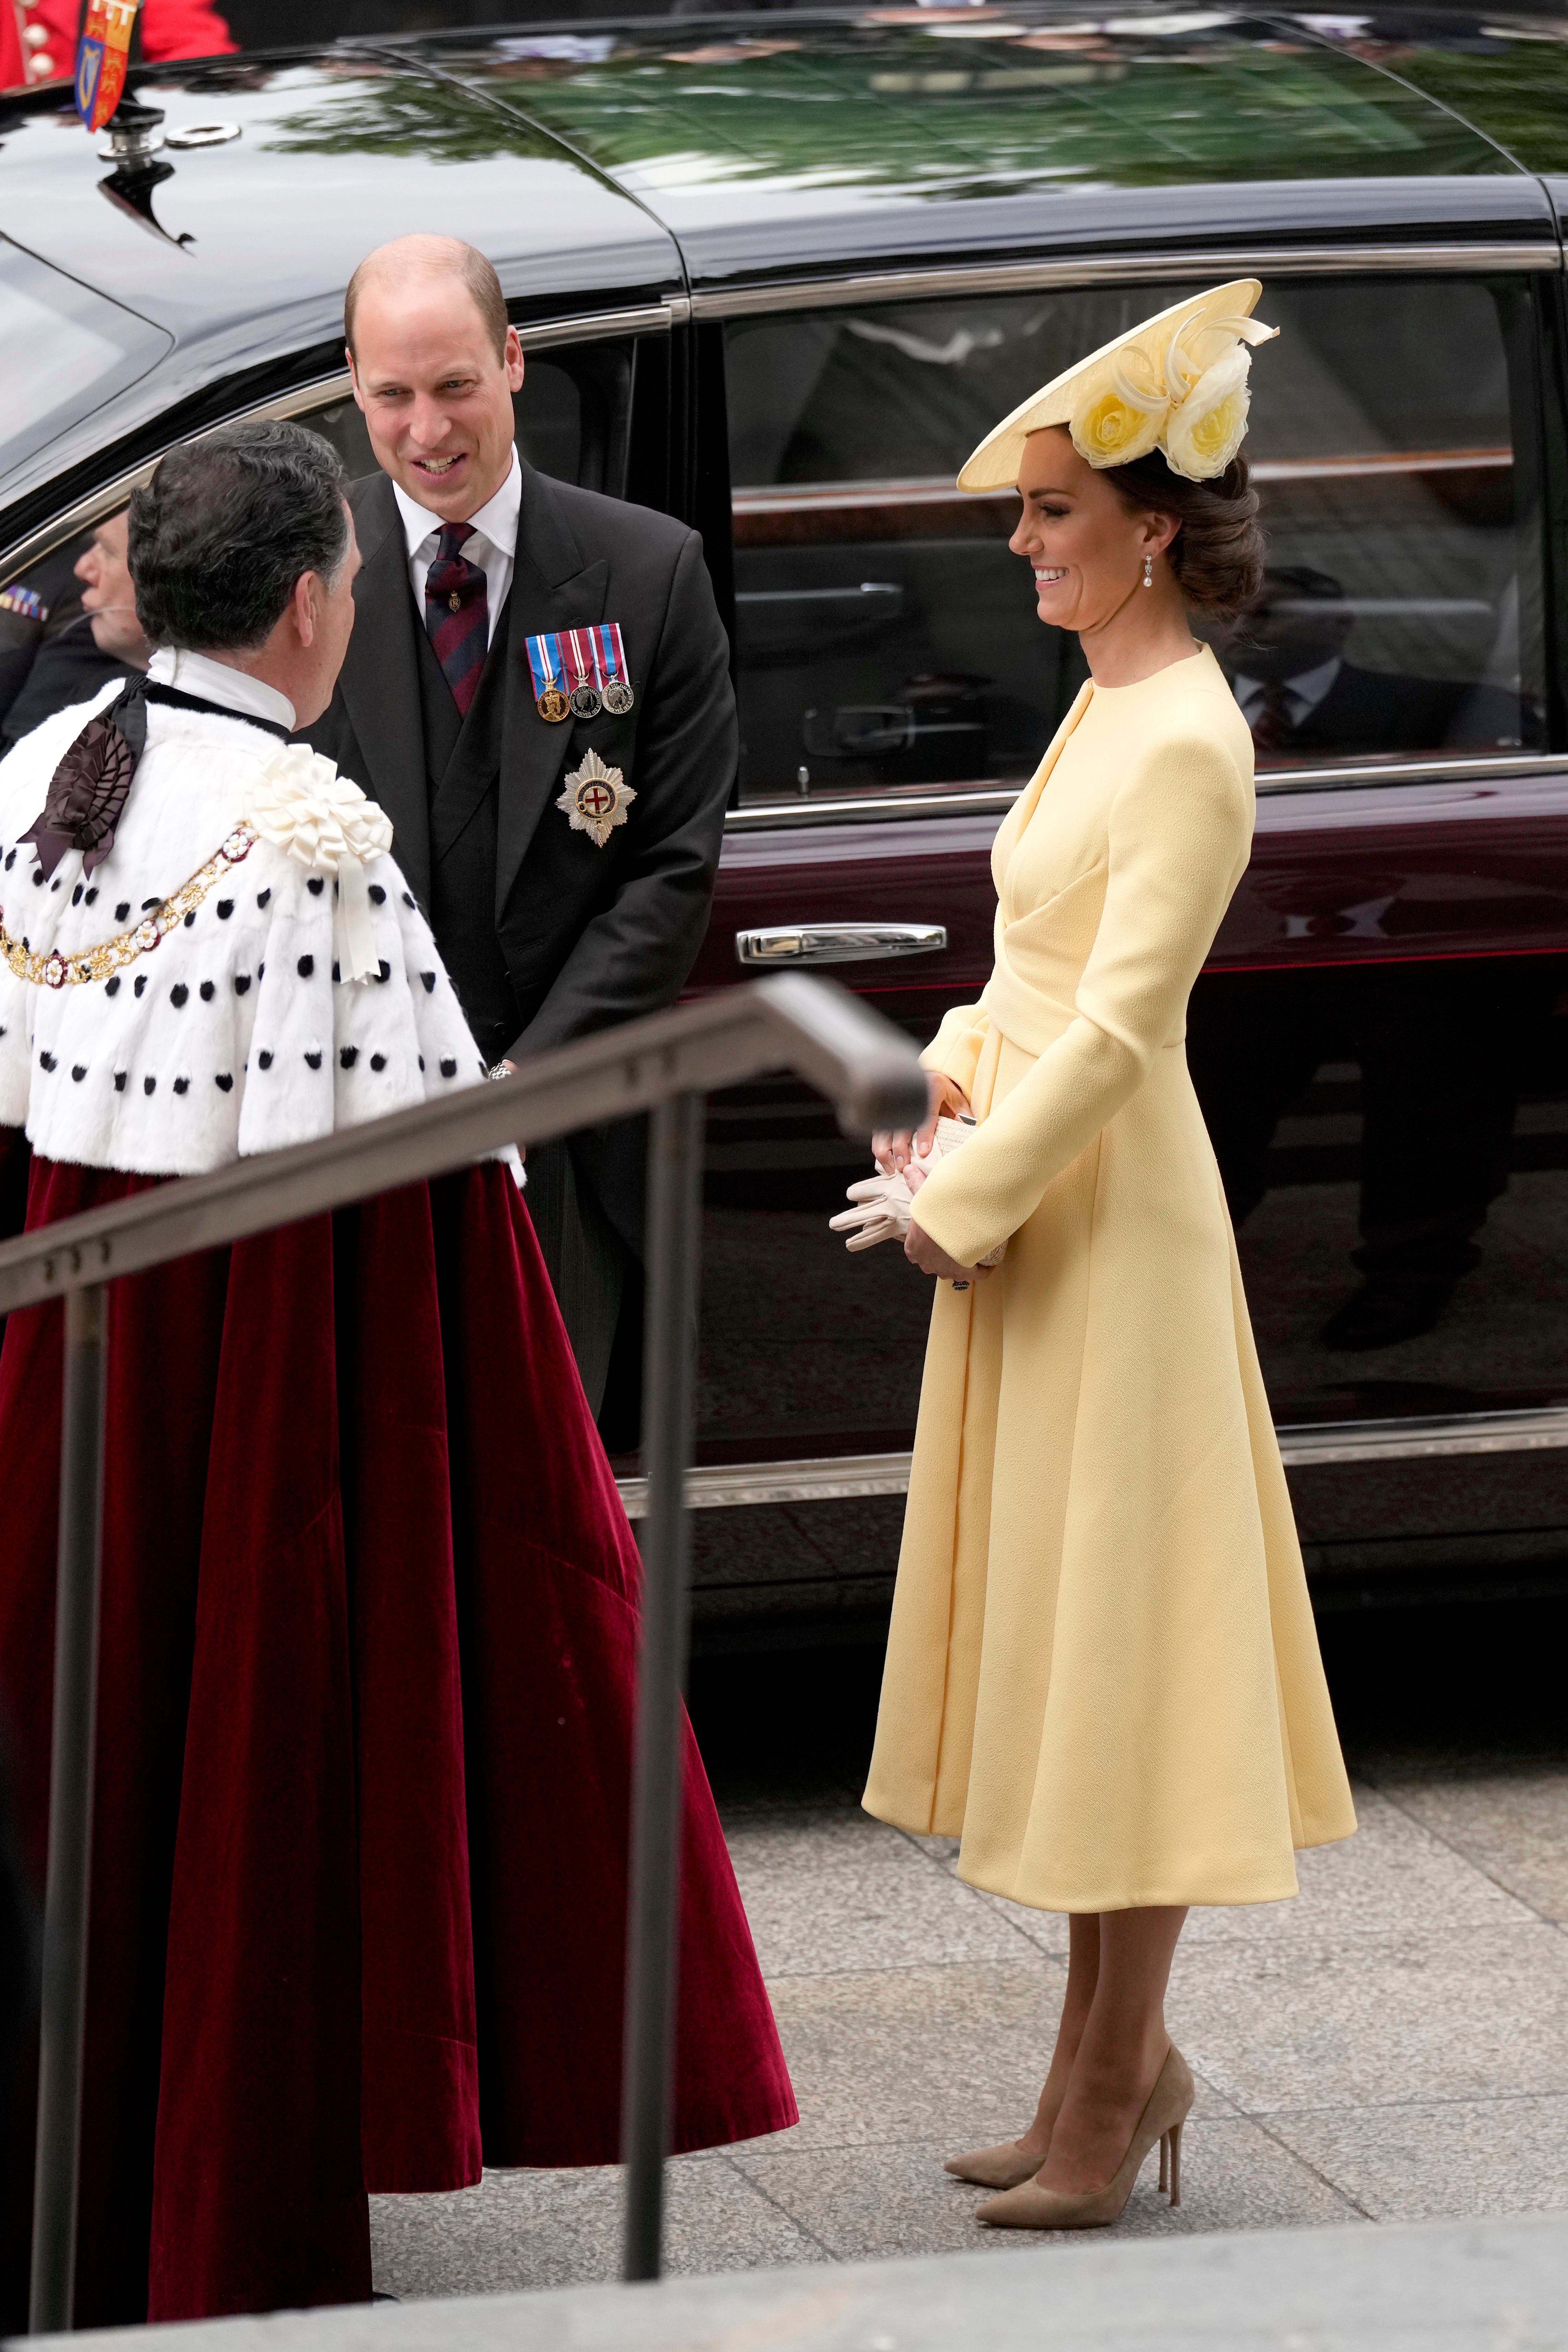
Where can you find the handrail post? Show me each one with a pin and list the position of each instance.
(67, 1895)
(675, 1162)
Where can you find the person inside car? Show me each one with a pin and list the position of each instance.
(1301, 696)
(97, 638)
(370, 1605)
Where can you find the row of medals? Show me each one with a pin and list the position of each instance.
(585, 701)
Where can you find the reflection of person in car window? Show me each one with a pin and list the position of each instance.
(100, 641)
(1299, 694)
(38, 38)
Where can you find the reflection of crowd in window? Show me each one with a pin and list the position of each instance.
(38, 38)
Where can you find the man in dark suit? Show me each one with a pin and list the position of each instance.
(491, 597)
(1299, 695)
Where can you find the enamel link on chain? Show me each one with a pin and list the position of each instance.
(55, 970)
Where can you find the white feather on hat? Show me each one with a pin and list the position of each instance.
(1177, 384)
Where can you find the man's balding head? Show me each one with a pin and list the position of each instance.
(398, 266)
(435, 368)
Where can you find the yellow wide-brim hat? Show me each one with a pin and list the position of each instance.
(1177, 384)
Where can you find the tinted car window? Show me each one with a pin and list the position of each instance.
(68, 350)
(887, 637)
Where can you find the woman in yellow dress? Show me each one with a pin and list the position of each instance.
(1102, 1673)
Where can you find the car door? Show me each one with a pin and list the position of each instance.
(1377, 1039)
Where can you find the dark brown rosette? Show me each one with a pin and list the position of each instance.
(86, 793)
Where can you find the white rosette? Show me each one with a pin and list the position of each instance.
(327, 825)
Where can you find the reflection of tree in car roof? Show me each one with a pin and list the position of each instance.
(839, 107)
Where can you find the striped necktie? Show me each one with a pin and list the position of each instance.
(457, 614)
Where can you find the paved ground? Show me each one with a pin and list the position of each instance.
(1392, 2045)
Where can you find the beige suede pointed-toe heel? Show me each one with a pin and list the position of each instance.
(1031, 2207)
(1004, 2167)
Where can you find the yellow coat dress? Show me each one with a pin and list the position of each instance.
(1102, 1671)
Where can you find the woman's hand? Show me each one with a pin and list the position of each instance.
(894, 1152)
(928, 1256)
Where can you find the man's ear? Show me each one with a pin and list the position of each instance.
(353, 378)
(305, 606)
(512, 361)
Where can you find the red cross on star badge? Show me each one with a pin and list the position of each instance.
(595, 798)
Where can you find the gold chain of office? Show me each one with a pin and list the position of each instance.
(57, 971)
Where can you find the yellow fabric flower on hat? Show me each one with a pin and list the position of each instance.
(1204, 432)
(1117, 417)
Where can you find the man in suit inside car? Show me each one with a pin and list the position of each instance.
(1301, 696)
(538, 694)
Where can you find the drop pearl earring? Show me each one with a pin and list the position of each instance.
(1148, 572)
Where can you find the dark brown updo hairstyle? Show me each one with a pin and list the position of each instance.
(1218, 552)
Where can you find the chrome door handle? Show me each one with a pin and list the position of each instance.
(838, 942)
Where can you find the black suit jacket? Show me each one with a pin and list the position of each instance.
(590, 937)
(1369, 711)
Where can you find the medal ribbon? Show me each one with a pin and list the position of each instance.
(583, 666)
(608, 634)
(544, 661)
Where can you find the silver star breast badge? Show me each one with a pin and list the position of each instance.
(595, 798)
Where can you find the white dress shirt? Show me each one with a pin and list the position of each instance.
(492, 543)
(216, 681)
(1303, 693)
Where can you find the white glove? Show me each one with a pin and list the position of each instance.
(882, 1204)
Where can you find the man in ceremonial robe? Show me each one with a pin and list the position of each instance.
(369, 1620)
(525, 651)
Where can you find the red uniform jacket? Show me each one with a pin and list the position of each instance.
(165, 29)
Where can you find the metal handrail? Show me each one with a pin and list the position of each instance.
(665, 1064)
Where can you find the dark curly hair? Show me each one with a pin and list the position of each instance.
(1219, 552)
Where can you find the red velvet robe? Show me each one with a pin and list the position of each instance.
(365, 1704)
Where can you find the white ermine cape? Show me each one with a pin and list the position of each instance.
(182, 1005)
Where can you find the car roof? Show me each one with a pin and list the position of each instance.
(814, 141)
(606, 164)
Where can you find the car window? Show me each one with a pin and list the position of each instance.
(886, 636)
(67, 350)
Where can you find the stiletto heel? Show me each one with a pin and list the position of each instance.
(1164, 2162)
(1034, 2207)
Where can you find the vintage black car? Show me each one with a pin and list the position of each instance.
(776, 271)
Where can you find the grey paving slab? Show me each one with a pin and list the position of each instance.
(1460, 2157)
(519, 2230)
(1510, 1823)
(951, 2057)
(1412, 2016)
(874, 2204)
(1473, 2288)
(834, 1890)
